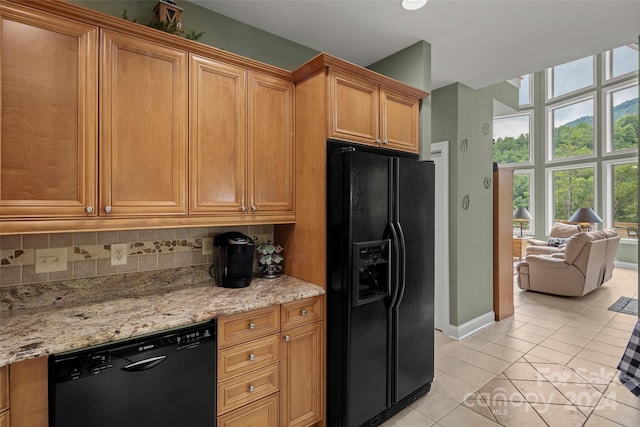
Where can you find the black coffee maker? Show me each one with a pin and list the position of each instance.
(233, 259)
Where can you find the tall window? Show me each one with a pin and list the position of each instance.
(620, 61)
(621, 115)
(622, 196)
(511, 139)
(571, 129)
(526, 90)
(571, 188)
(523, 194)
(570, 77)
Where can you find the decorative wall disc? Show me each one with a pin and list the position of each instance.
(487, 182)
(465, 202)
(486, 128)
(464, 145)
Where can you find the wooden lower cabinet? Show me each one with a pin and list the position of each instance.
(262, 413)
(28, 393)
(4, 396)
(268, 376)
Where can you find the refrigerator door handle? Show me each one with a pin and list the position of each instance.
(402, 277)
(395, 264)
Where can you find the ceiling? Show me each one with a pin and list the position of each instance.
(474, 42)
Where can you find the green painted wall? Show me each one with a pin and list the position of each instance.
(460, 113)
(219, 31)
(412, 66)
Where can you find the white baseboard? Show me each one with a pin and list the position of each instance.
(473, 325)
(629, 265)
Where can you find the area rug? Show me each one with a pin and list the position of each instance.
(625, 305)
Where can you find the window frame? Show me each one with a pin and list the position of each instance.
(549, 83)
(607, 193)
(607, 66)
(531, 92)
(549, 194)
(607, 131)
(531, 135)
(549, 125)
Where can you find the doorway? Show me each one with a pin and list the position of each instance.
(440, 156)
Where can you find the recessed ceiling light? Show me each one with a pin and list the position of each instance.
(413, 4)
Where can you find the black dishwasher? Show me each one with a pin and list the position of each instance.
(161, 380)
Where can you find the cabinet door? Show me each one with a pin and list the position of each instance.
(302, 390)
(49, 113)
(143, 94)
(354, 108)
(399, 116)
(217, 136)
(4, 388)
(271, 145)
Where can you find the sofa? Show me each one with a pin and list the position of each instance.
(558, 236)
(584, 265)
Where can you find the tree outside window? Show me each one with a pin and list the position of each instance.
(522, 194)
(624, 189)
(572, 189)
(622, 111)
(572, 130)
(511, 139)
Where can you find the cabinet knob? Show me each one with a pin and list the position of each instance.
(88, 209)
(243, 208)
(252, 326)
(385, 142)
(303, 312)
(377, 141)
(107, 209)
(287, 338)
(252, 357)
(252, 388)
(254, 208)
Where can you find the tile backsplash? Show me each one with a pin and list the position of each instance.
(89, 253)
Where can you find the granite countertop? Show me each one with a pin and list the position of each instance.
(47, 318)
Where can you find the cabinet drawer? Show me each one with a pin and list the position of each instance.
(4, 388)
(263, 413)
(248, 388)
(246, 357)
(242, 327)
(301, 312)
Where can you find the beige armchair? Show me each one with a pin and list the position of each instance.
(555, 244)
(585, 264)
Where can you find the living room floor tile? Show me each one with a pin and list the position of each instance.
(502, 352)
(434, 405)
(515, 343)
(463, 416)
(560, 415)
(550, 355)
(471, 374)
(562, 346)
(489, 363)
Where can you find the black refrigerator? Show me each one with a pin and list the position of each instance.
(380, 250)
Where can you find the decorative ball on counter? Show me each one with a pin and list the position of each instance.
(270, 260)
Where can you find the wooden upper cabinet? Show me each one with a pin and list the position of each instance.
(367, 112)
(143, 112)
(355, 106)
(271, 156)
(49, 110)
(218, 136)
(399, 115)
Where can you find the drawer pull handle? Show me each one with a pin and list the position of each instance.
(252, 357)
(303, 312)
(252, 326)
(252, 388)
(287, 338)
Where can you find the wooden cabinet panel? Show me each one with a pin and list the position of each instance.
(302, 393)
(301, 312)
(49, 114)
(28, 393)
(263, 413)
(503, 305)
(243, 327)
(4, 419)
(218, 137)
(4, 388)
(271, 144)
(399, 115)
(248, 388)
(143, 100)
(354, 108)
(246, 357)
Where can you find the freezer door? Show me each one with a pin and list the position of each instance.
(413, 330)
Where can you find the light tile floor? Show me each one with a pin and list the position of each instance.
(551, 364)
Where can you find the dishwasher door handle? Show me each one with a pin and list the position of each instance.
(145, 364)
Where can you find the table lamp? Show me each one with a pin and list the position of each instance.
(585, 217)
(521, 215)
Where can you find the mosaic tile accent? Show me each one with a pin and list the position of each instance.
(89, 253)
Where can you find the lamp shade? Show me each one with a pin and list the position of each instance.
(585, 215)
(522, 214)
